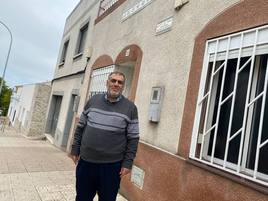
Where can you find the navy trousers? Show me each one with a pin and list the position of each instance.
(92, 178)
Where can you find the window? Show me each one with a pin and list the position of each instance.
(64, 51)
(230, 130)
(81, 40)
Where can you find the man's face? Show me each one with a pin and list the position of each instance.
(115, 85)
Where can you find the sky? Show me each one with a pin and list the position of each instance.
(37, 28)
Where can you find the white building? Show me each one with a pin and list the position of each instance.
(69, 73)
(28, 106)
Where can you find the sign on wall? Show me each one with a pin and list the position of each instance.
(137, 176)
(164, 26)
(136, 8)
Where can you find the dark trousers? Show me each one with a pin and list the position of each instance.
(92, 178)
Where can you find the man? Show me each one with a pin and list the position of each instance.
(105, 142)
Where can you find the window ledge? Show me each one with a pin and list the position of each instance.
(61, 64)
(77, 56)
(240, 180)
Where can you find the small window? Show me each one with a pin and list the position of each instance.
(105, 5)
(64, 51)
(81, 40)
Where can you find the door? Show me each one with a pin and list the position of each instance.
(68, 122)
(57, 104)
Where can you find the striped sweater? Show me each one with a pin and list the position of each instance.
(107, 131)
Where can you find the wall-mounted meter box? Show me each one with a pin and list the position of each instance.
(156, 104)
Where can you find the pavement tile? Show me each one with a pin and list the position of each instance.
(34, 170)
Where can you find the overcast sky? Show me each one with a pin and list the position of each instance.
(37, 27)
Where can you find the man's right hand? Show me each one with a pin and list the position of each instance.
(74, 158)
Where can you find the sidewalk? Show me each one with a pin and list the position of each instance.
(35, 170)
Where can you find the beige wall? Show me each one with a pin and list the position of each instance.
(166, 58)
(64, 87)
(86, 11)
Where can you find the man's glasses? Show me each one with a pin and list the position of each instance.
(120, 82)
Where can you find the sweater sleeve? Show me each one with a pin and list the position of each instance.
(132, 139)
(79, 131)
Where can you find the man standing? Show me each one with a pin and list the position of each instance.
(105, 142)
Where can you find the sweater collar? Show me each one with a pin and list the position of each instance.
(117, 100)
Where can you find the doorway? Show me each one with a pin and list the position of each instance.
(69, 120)
(54, 114)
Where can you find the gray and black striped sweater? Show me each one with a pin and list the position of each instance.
(107, 131)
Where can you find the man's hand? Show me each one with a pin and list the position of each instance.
(124, 171)
(74, 158)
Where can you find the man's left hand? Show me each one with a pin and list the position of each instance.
(124, 171)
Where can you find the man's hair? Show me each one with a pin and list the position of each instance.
(117, 73)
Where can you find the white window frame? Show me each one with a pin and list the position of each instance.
(251, 43)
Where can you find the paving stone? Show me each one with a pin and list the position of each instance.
(35, 171)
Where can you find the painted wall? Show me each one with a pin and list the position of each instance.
(166, 61)
(13, 106)
(84, 12)
(30, 103)
(166, 58)
(64, 87)
(23, 106)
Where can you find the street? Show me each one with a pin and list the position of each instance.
(35, 170)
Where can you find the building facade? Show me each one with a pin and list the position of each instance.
(197, 70)
(69, 73)
(28, 106)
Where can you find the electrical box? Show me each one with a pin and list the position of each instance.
(156, 104)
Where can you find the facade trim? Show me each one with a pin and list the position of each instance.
(242, 16)
(131, 53)
(78, 20)
(58, 93)
(109, 11)
(240, 180)
(102, 61)
(69, 75)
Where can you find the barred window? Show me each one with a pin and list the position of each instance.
(98, 80)
(230, 130)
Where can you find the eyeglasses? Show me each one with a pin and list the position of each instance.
(120, 82)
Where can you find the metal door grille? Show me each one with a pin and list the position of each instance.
(98, 80)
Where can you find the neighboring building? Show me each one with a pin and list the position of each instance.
(13, 106)
(69, 73)
(28, 106)
(197, 70)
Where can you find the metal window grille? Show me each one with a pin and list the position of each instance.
(229, 129)
(98, 80)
